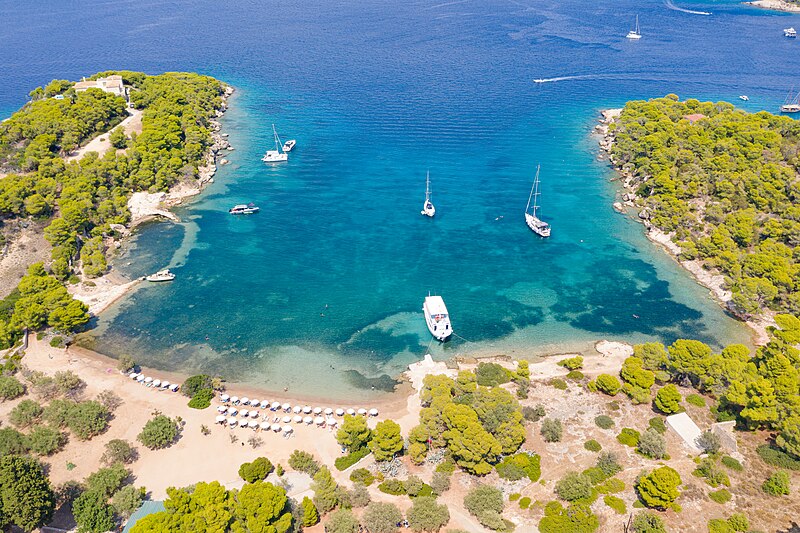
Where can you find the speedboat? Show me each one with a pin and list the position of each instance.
(288, 145)
(161, 275)
(790, 32)
(436, 317)
(244, 209)
(744, 97)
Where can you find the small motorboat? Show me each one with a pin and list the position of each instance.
(244, 209)
(161, 275)
(744, 98)
(790, 33)
(288, 145)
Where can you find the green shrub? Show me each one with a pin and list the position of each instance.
(647, 522)
(592, 445)
(658, 424)
(629, 437)
(559, 384)
(668, 399)
(363, 476)
(720, 496)
(607, 462)
(158, 432)
(10, 388)
(591, 385)
(86, 419)
(258, 470)
(514, 496)
(618, 504)
(202, 399)
(446, 467)
(777, 484)
(776, 457)
(608, 384)
(659, 488)
(738, 522)
(551, 430)
(533, 414)
(440, 483)
(652, 444)
(610, 486)
(395, 487)
(492, 374)
(574, 486)
(44, 440)
(520, 465)
(595, 474)
(604, 422)
(485, 503)
(524, 503)
(57, 342)
(577, 518)
(25, 413)
(696, 400)
(575, 375)
(713, 474)
(346, 461)
(12, 442)
(195, 384)
(709, 442)
(107, 481)
(304, 462)
(732, 463)
(572, 363)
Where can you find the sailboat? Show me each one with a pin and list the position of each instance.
(427, 208)
(635, 34)
(276, 155)
(539, 227)
(792, 103)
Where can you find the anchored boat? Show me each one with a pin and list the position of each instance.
(792, 103)
(161, 275)
(427, 208)
(635, 34)
(538, 226)
(277, 155)
(244, 209)
(436, 317)
(288, 145)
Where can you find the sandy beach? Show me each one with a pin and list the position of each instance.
(775, 5)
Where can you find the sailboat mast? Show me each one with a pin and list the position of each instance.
(428, 187)
(536, 192)
(637, 24)
(530, 196)
(277, 140)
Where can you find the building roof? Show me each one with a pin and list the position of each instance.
(148, 507)
(685, 427)
(111, 82)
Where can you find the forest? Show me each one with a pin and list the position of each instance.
(83, 198)
(725, 182)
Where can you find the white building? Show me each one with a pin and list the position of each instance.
(111, 84)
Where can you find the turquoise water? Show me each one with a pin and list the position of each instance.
(321, 292)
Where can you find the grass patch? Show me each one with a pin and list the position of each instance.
(610, 486)
(732, 463)
(575, 375)
(345, 462)
(776, 457)
(658, 424)
(696, 400)
(514, 496)
(524, 503)
(618, 504)
(629, 437)
(720, 496)
(592, 445)
(560, 384)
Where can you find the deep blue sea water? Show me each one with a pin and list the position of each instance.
(322, 290)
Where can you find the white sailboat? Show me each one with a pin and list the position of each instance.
(276, 155)
(792, 103)
(635, 34)
(539, 227)
(436, 317)
(427, 208)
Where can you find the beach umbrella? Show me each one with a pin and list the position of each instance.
(254, 403)
(297, 409)
(233, 411)
(252, 424)
(276, 405)
(224, 398)
(307, 410)
(297, 419)
(235, 400)
(264, 404)
(317, 410)
(373, 412)
(265, 426)
(222, 408)
(133, 375)
(287, 419)
(253, 414)
(351, 411)
(328, 411)
(287, 429)
(221, 419)
(362, 411)
(319, 421)
(232, 421)
(245, 412)
(148, 379)
(245, 400)
(165, 384)
(174, 387)
(242, 423)
(340, 412)
(140, 378)
(156, 383)
(287, 406)
(308, 420)
(331, 422)
(276, 428)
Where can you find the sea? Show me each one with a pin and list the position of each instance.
(321, 292)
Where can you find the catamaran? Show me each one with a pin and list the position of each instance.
(792, 103)
(427, 208)
(276, 155)
(436, 317)
(244, 209)
(635, 34)
(539, 227)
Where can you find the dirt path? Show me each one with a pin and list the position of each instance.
(101, 144)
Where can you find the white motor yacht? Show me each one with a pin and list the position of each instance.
(161, 275)
(436, 317)
(790, 32)
(244, 209)
(744, 98)
(288, 145)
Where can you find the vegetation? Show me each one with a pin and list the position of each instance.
(652, 444)
(713, 475)
(310, 513)
(574, 486)
(659, 488)
(342, 521)
(720, 496)
(25, 413)
(696, 400)
(725, 185)
(709, 442)
(668, 399)
(127, 500)
(346, 461)
(491, 374)
(26, 497)
(363, 476)
(386, 440)
(777, 484)
(604, 422)
(158, 432)
(119, 451)
(304, 462)
(381, 517)
(518, 466)
(354, 434)
(10, 388)
(533, 414)
(92, 513)
(325, 490)
(551, 430)
(486, 504)
(258, 470)
(395, 487)
(577, 518)
(732, 463)
(427, 515)
(648, 522)
(572, 363)
(657, 423)
(629, 437)
(43, 440)
(608, 384)
(616, 503)
(592, 445)
(776, 457)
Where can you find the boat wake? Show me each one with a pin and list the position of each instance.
(671, 5)
(568, 78)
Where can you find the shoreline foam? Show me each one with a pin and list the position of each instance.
(713, 281)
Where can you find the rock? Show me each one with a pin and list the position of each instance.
(619, 207)
(644, 215)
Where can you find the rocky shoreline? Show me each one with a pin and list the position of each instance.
(775, 5)
(100, 293)
(713, 281)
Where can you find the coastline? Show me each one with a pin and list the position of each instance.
(713, 281)
(775, 5)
